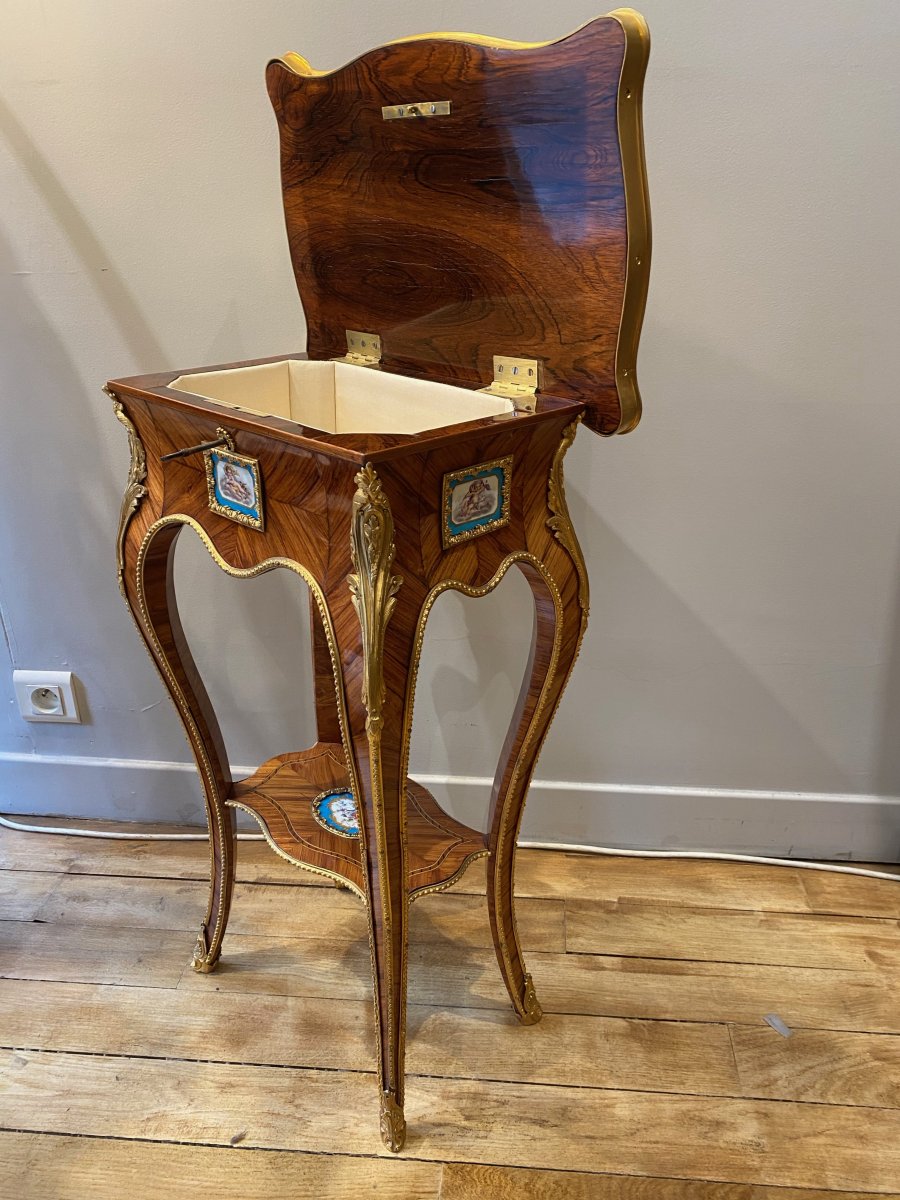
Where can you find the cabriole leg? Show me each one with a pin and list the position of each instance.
(560, 617)
(150, 592)
(383, 818)
(378, 613)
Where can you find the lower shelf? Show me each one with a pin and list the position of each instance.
(282, 796)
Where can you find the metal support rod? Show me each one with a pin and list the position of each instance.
(194, 449)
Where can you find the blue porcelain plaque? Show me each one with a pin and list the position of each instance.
(337, 812)
(235, 487)
(476, 500)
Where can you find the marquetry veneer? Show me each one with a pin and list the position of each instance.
(468, 225)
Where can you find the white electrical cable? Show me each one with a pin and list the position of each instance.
(118, 836)
(714, 854)
(612, 852)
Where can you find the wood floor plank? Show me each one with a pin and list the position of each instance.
(276, 966)
(702, 991)
(735, 1141)
(314, 912)
(36, 851)
(539, 874)
(811, 1064)
(54, 1167)
(136, 856)
(659, 931)
(458, 976)
(585, 1052)
(23, 892)
(146, 957)
(304, 1032)
(687, 882)
(187, 860)
(190, 860)
(162, 1023)
(827, 892)
(142, 903)
(463, 1181)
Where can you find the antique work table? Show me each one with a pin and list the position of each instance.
(469, 230)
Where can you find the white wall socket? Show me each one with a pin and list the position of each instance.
(46, 696)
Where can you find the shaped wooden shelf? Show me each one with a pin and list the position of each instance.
(280, 795)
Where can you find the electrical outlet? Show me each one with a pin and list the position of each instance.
(46, 696)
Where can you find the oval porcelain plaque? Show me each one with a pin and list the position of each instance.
(336, 811)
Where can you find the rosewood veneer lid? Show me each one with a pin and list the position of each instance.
(515, 224)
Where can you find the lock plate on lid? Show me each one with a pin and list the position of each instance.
(424, 108)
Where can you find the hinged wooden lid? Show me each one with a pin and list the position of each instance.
(511, 220)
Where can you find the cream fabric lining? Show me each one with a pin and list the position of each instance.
(340, 398)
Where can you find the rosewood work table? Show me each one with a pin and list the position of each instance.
(469, 230)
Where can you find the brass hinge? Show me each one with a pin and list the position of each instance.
(363, 349)
(515, 379)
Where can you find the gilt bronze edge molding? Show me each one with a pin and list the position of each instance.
(135, 490)
(373, 592)
(629, 119)
(560, 523)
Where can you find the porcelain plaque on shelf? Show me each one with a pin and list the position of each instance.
(337, 812)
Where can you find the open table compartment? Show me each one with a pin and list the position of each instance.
(338, 397)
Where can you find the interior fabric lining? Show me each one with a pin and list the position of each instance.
(338, 397)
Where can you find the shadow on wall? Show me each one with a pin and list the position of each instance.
(133, 327)
(474, 657)
(46, 422)
(62, 496)
(64, 462)
(664, 678)
(250, 640)
(653, 684)
(62, 508)
(46, 433)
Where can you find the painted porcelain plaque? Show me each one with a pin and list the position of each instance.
(234, 485)
(476, 500)
(336, 811)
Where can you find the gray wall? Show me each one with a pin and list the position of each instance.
(740, 684)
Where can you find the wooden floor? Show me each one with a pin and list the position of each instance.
(653, 1075)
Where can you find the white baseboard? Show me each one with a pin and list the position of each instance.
(109, 789)
(779, 824)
